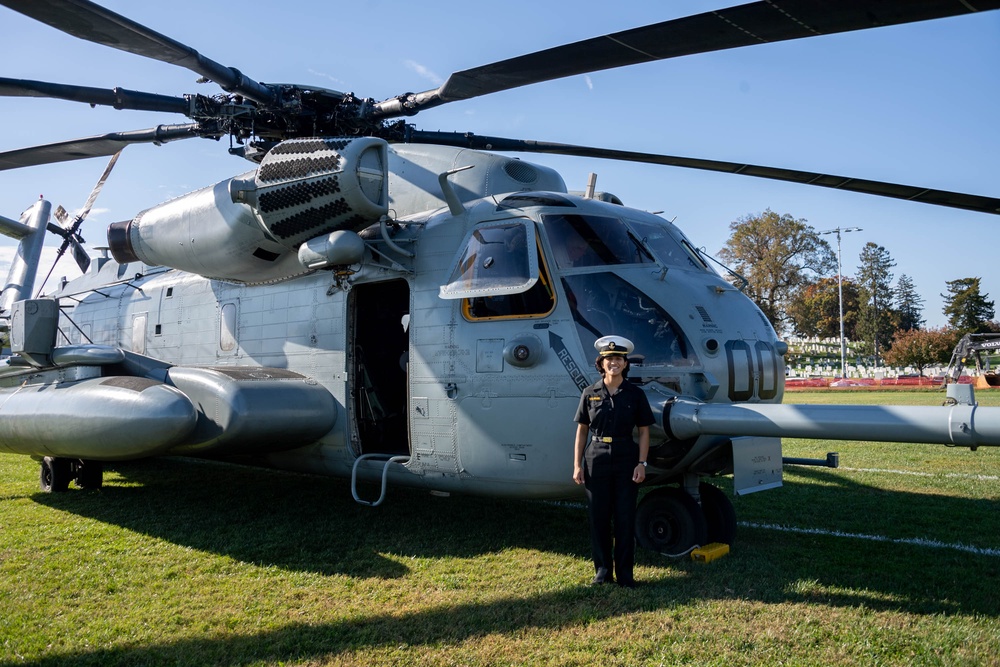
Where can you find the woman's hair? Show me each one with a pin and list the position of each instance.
(599, 365)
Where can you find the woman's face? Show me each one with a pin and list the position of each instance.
(613, 365)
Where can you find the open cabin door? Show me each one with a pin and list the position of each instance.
(380, 347)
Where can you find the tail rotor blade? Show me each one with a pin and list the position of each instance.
(96, 191)
(70, 234)
(79, 255)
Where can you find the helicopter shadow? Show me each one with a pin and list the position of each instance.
(765, 568)
(311, 523)
(839, 504)
(881, 548)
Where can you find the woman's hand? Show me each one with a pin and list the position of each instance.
(639, 475)
(578, 474)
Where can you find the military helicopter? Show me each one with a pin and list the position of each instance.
(388, 304)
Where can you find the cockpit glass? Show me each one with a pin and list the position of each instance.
(665, 246)
(604, 304)
(498, 259)
(588, 240)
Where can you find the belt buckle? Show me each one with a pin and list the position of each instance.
(606, 438)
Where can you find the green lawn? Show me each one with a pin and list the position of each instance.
(893, 559)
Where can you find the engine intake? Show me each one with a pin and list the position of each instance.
(248, 228)
(305, 188)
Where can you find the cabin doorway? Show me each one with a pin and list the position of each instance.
(380, 352)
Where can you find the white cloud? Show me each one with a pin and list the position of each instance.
(424, 72)
(94, 215)
(324, 75)
(589, 81)
(66, 267)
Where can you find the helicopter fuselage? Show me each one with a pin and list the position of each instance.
(421, 315)
(461, 339)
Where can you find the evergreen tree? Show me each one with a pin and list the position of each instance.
(876, 317)
(967, 309)
(909, 304)
(778, 255)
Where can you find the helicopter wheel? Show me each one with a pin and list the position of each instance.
(89, 474)
(670, 522)
(719, 513)
(56, 474)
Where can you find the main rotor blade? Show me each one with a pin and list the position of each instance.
(97, 146)
(729, 28)
(968, 202)
(119, 98)
(94, 23)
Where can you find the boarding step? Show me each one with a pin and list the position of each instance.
(387, 460)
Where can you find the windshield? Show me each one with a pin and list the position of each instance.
(667, 247)
(604, 304)
(588, 240)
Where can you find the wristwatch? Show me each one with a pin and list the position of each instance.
(643, 464)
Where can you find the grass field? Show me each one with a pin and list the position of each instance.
(893, 559)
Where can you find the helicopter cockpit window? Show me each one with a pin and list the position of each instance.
(587, 240)
(537, 301)
(497, 259)
(669, 249)
(603, 304)
(499, 274)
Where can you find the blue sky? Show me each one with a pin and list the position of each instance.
(915, 104)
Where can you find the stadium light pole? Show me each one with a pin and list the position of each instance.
(840, 291)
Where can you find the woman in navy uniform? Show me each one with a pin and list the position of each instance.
(609, 461)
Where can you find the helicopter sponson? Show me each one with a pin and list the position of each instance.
(103, 403)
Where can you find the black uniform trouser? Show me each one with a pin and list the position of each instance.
(611, 496)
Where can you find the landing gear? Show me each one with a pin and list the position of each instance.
(89, 474)
(719, 513)
(670, 522)
(58, 472)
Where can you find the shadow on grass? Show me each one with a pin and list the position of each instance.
(839, 502)
(749, 576)
(310, 523)
(297, 643)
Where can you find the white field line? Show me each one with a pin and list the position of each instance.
(915, 473)
(914, 541)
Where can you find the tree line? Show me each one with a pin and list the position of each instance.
(791, 274)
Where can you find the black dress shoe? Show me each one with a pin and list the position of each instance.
(597, 581)
(627, 584)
